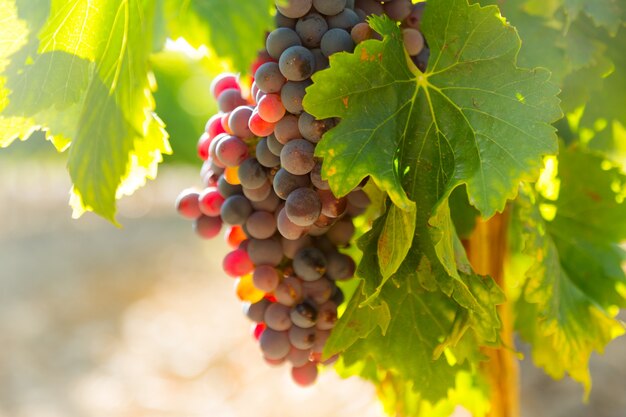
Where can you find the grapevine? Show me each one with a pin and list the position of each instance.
(285, 225)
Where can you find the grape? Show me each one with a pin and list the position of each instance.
(292, 95)
(251, 173)
(238, 122)
(336, 40)
(269, 204)
(304, 375)
(187, 204)
(316, 177)
(223, 82)
(259, 126)
(274, 362)
(296, 64)
(265, 251)
(327, 316)
(421, 60)
(234, 236)
(289, 292)
(318, 231)
(303, 206)
(270, 108)
(329, 7)
(229, 100)
(266, 278)
(203, 146)
(350, 4)
(235, 210)
(310, 264)
(340, 267)
(258, 194)
(321, 337)
(294, 8)
(265, 156)
(287, 228)
(413, 41)
(362, 32)
(269, 78)
(346, 20)
(261, 225)
(277, 317)
(291, 247)
(331, 205)
(226, 189)
(287, 129)
(302, 338)
(213, 148)
(319, 290)
(369, 7)
(313, 129)
(341, 233)
(337, 296)
(298, 357)
(275, 345)
(237, 263)
(210, 201)
(398, 9)
(274, 145)
(297, 157)
(231, 151)
(359, 198)
(282, 21)
(304, 315)
(324, 221)
(214, 126)
(256, 311)
(207, 227)
(285, 183)
(280, 39)
(414, 19)
(321, 61)
(311, 28)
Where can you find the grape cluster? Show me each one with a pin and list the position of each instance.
(285, 225)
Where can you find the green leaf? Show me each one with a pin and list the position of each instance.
(489, 118)
(395, 240)
(573, 290)
(607, 13)
(234, 29)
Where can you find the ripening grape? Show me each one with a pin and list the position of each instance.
(287, 228)
(298, 357)
(235, 210)
(309, 264)
(265, 156)
(319, 290)
(270, 204)
(304, 315)
(311, 28)
(214, 126)
(341, 233)
(259, 126)
(187, 204)
(282, 21)
(321, 60)
(274, 145)
(345, 20)
(304, 375)
(413, 41)
(289, 292)
(359, 198)
(316, 177)
(398, 9)
(234, 236)
(329, 7)
(223, 82)
(275, 345)
(261, 225)
(246, 291)
(285, 183)
(258, 194)
(229, 100)
(231, 151)
(297, 158)
(292, 95)
(269, 78)
(238, 122)
(370, 7)
(207, 227)
(303, 206)
(270, 108)
(336, 40)
(301, 338)
(340, 267)
(237, 263)
(210, 202)
(414, 19)
(256, 311)
(313, 129)
(287, 129)
(296, 64)
(362, 32)
(203, 146)
(277, 317)
(280, 39)
(251, 173)
(326, 316)
(265, 251)
(331, 205)
(226, 189)
(294, 8)
(291, 247)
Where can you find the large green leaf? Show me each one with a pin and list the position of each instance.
(489, 118)
(572, 291)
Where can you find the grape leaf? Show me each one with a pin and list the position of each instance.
(490, 118)
(571, 292)
(234, 29)
(607, 13)
(117, 140)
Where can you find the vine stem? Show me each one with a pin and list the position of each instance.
(487, 252)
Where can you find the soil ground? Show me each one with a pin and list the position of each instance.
(140, 322)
